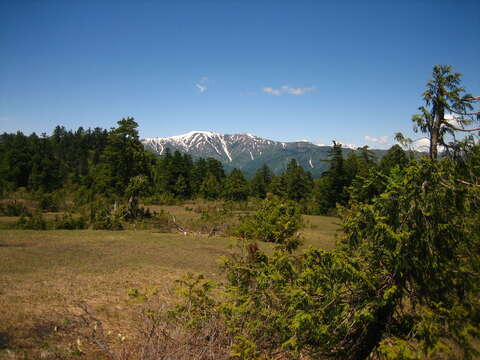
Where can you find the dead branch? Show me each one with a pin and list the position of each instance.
(467, 183)
(97, 336)
(180, 228)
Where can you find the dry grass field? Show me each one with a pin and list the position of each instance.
(45, 275)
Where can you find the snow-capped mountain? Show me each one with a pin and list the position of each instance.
(244, 151)
(223, 147)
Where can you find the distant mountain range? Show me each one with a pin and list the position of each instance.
(246, 151)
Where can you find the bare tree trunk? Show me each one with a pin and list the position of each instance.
(434, 144)
(369, 340)
(439, 113)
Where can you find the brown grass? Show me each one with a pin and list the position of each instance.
(44, 275)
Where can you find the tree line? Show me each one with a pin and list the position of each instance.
(99, 162)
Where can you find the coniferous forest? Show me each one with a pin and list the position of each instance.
(91, 164)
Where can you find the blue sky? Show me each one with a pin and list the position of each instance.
(285, 70)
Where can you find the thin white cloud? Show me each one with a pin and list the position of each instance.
(348, 146)
(297, 91)
(201, 85)
(275, 92)
(201, 88)
(380, 140)
(285, 89)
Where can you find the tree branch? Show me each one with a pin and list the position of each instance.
(467, 183)
(460, 129)
(465, 114)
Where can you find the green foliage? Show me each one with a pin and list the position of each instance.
(443, 96)
(236, 187)
(366, 188)
(403, 282)
(276, 220)
(260, 184)
(69, 222)
(34, 221)
(162, 199)
(13, 208)
(419, 236)
(124, 155)
(105, 217)
(85, 163)
(330, 188)
(298, 182)
(48, 202)
(198, 306)
(210, 188)
(395, 157)
(355, 178)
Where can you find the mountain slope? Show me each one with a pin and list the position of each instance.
(245, 151)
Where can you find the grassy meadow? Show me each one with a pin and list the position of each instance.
(46, 275)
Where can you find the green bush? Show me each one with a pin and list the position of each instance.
(34, 221)
(13, 208)
(104, 217)
(48, 202)
(276, 220)
(69, 222)
(165, 198)
(402, 282)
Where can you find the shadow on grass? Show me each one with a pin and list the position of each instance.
(17, 245)
(4, 340)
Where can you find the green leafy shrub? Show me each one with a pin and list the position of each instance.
(68, 222)
(13, 208)
(403, 282)
(34, 221)
(48, 202)
(104, 216)
(164, 198)
(276, 220)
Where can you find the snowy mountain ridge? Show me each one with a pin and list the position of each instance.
(211, 144)
(244, 151)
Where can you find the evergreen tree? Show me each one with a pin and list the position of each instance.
(278, 186)
(215, 168)
(236, 187)
(298, 182)
(182, 189)
(164, 178)
(210, 188)
(259, 186)
(198, 174)
(330, 190)
(322, 195)
(366, 154)
(124, 155)
(444, 95)
(394, 157)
